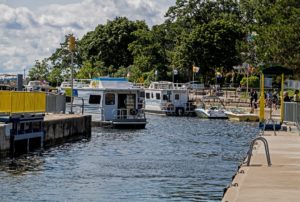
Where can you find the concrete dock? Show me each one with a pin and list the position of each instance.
(278, 182)
(58, 128)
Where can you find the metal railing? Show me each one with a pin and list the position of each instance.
(292, 111)
(129, 114)
(183, 109)
(78, 104)
(249, 155)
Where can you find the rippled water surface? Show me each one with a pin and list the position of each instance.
(173, 159)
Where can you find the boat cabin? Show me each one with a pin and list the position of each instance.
(168, 98)
(114, 101)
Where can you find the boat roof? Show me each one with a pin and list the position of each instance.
(112, 83)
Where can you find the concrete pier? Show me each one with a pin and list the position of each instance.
(58, 128)
(278, 182)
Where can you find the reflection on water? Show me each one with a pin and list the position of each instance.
(173, 159)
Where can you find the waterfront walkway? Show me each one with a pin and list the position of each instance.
(280, 181)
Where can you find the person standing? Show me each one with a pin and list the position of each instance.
(255, 97)
(296, 96)
(251, 97)
(286, 97)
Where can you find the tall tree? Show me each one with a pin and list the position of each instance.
(212, 30)
(276, 25)
(150, 49)
(61, 59)
(109, 43)
(209, 46)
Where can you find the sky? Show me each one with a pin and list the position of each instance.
(32, 29)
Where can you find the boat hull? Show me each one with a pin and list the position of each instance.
(211, 114)
(121, 124)
(243, 117)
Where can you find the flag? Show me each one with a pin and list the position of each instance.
(196, 69)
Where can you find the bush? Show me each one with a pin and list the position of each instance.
(253, 81)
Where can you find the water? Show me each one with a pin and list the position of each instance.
(173, 159)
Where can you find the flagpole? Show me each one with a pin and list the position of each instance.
(173, 74)
(247, 79)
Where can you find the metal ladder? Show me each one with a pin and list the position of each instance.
(249, 154)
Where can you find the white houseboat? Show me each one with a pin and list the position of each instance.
(37, 86)
(113, 102)
(168, 98)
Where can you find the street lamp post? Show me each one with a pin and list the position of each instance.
(71, 49)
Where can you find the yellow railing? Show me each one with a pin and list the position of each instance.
(12, 102)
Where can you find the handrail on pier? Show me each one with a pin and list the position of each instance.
(263, 126)
(266, 150)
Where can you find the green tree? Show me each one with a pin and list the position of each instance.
(194, 12)
(87, 71)
(55, 76)
(150, 49)
(253, 81)
(209, 46)
(39, 71)
(109, 43)
(61, 58)
(277, 28)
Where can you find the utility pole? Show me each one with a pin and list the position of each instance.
(72, 49)
(173, 74)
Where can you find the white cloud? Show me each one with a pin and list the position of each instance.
(27, 36)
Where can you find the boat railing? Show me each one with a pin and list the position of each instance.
(167, 86)
(77, 83)
(139, 85)
(129, 113)
(171, 108)
(77, 104)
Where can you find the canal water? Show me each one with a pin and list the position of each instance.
(173, 159)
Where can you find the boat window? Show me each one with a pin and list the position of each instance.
(148, 95)
(109, 99)
(176, 96)
(142, 94)
(158, 96)
(94, 99)
(152, 95)
(165, 97)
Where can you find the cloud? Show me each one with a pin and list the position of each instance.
(28, 35)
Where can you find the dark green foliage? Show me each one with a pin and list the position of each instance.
(210, 34)
(109, 43)
(253, 81)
